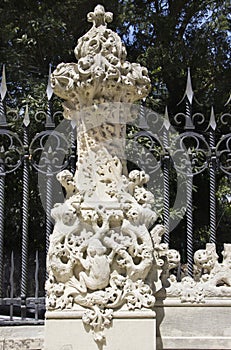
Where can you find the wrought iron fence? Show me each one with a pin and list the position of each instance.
(204, 145)
(23, 155)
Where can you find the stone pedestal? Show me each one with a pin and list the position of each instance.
(128, 331)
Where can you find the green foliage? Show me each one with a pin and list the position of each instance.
(169, 36)
(166, 36)
(224, 209)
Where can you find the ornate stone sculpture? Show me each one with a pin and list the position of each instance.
(214, 280)
(101, 250)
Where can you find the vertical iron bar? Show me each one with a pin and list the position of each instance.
(12, 287)
(166, 213)
(49, 202)
(166, 160)
(49, 126)
(3, 124)
(189, 220)
(25, 224)
(36, 284)
(212, 192)
(2, 212)
(189, 212)
(49, 119)
(212, 178)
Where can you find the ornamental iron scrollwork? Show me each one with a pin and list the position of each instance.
(12, 151)
(49, 150)
(223, 152)
(150, 159)
(191, 149)
(226, 119)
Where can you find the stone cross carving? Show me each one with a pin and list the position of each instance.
(101, 250)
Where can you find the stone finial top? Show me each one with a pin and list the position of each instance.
(102, 73)
(99, 16)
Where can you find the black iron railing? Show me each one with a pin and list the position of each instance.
(174, 152)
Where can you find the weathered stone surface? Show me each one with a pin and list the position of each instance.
(101, 250)
(102, 73)
(128, 330)
(193, 326)
(22, 338)
(214, 280)
(103, 257)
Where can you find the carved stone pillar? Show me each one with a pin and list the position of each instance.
(101, 251)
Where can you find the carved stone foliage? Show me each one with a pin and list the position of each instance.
(214, 277)
(102, 73)
(101, 251)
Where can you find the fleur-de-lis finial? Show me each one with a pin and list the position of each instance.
(99, 16)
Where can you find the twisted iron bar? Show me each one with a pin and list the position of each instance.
(49, 202)
(2, 109)
(2, 211)
(188, 119)
(212, 187)
(189, 230)
(166, 213)
(36, 285)
(25, 225)
(49, 224)
(49, 117)
(189, 210)
(3, 122)
(12, 286)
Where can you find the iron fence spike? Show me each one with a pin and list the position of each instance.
(212, 121)
(26, 119)
(166, 119)
(49, 90)
(3, 88)
(189, 90)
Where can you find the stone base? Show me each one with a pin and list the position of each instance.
(129, 331)
(182, 326)
(22, 337)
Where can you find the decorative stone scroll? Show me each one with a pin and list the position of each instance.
(101, 251)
